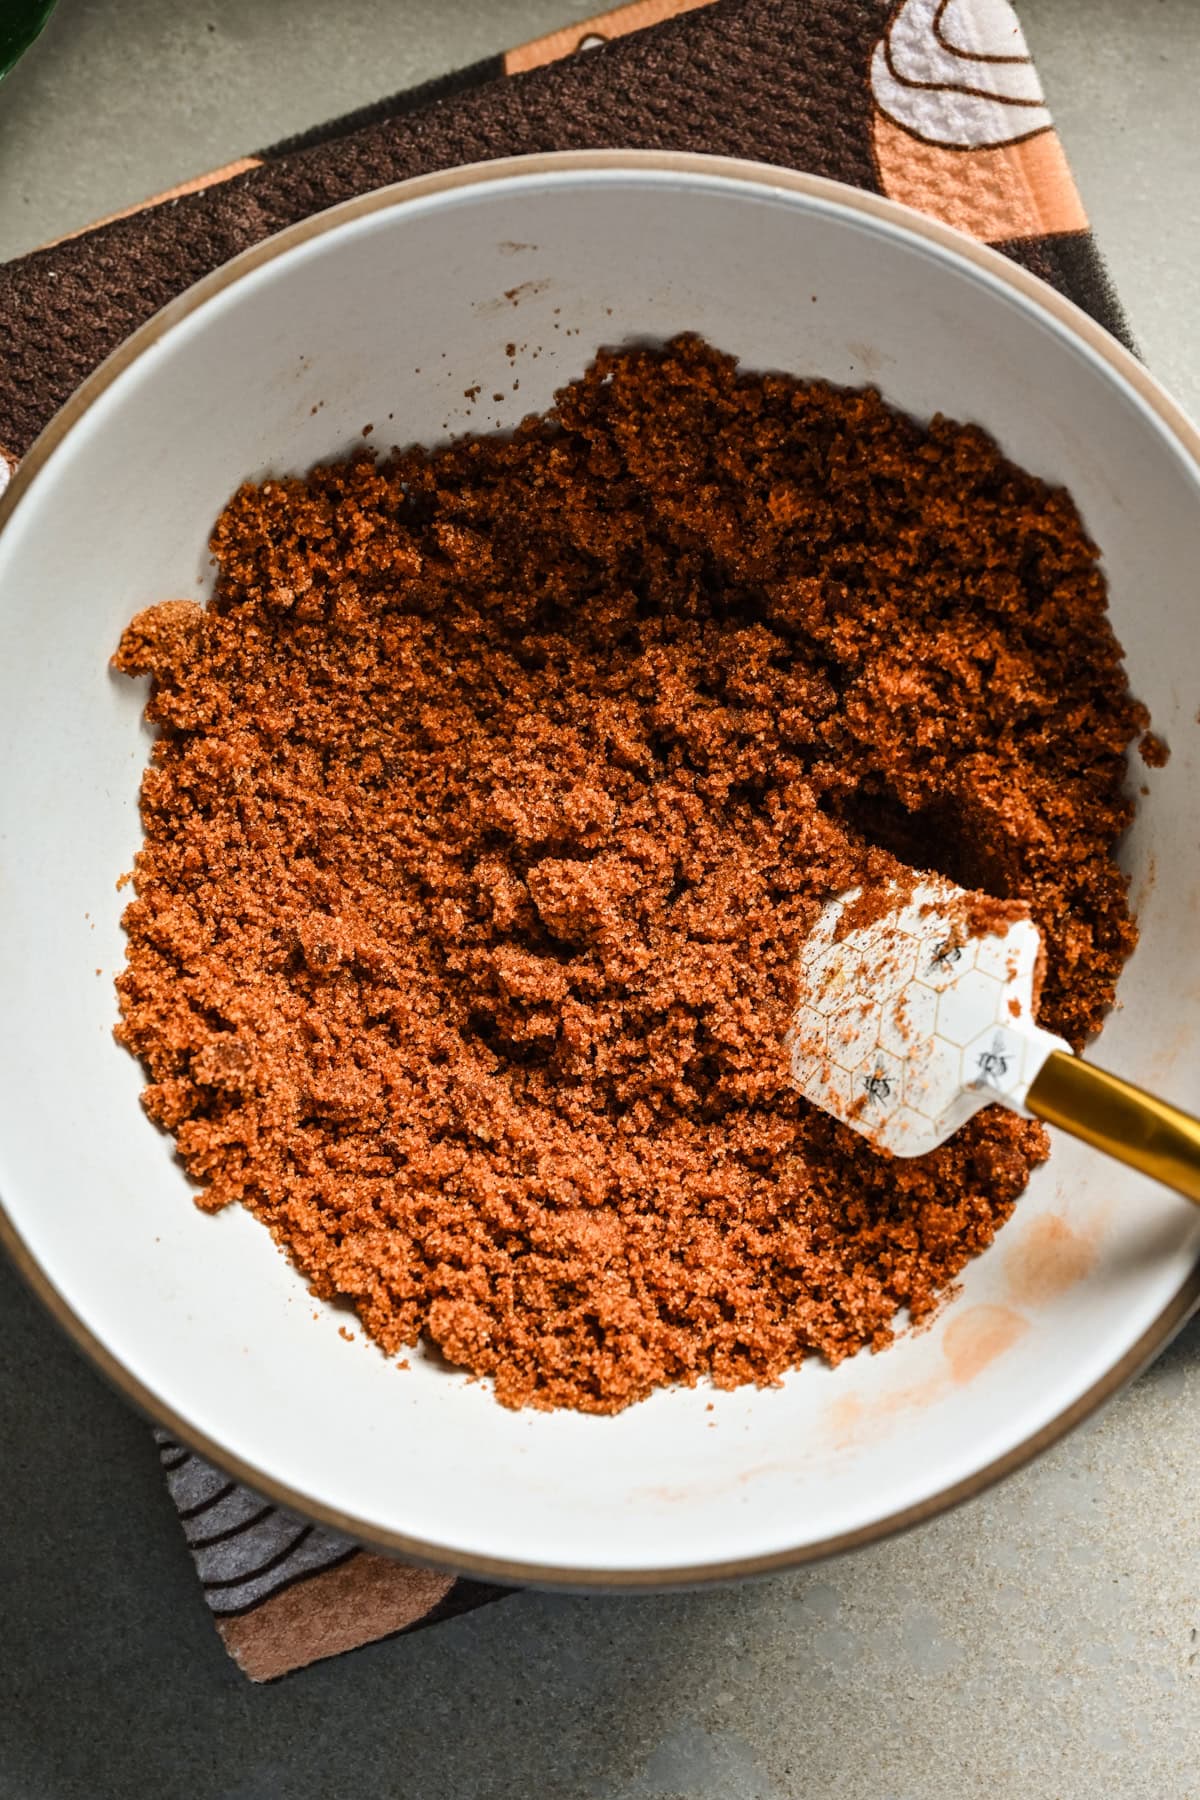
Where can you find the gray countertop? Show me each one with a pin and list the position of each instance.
(1043, 1641)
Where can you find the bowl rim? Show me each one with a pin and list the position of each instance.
(906, 221)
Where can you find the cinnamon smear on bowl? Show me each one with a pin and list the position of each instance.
(494, 792)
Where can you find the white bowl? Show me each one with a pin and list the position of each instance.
(384, 311)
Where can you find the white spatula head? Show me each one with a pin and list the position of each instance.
(915, 1008)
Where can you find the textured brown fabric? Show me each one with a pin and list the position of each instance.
(355, 1602)
(769, 79)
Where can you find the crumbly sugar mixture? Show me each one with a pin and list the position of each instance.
(494, 792)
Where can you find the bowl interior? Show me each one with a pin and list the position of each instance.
(409, 315)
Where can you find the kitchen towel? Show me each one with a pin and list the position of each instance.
(935, 103)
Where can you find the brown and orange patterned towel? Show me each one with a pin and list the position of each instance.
(932, 102)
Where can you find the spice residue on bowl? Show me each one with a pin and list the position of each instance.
(494, 792)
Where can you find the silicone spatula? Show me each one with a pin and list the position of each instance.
(917, 1006)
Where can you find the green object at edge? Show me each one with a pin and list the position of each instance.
(20, 22)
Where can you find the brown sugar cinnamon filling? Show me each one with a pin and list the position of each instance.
(494, 791)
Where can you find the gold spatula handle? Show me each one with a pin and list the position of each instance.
(1119, 1118)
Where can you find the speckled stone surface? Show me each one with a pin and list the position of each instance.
(1041, 1643)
